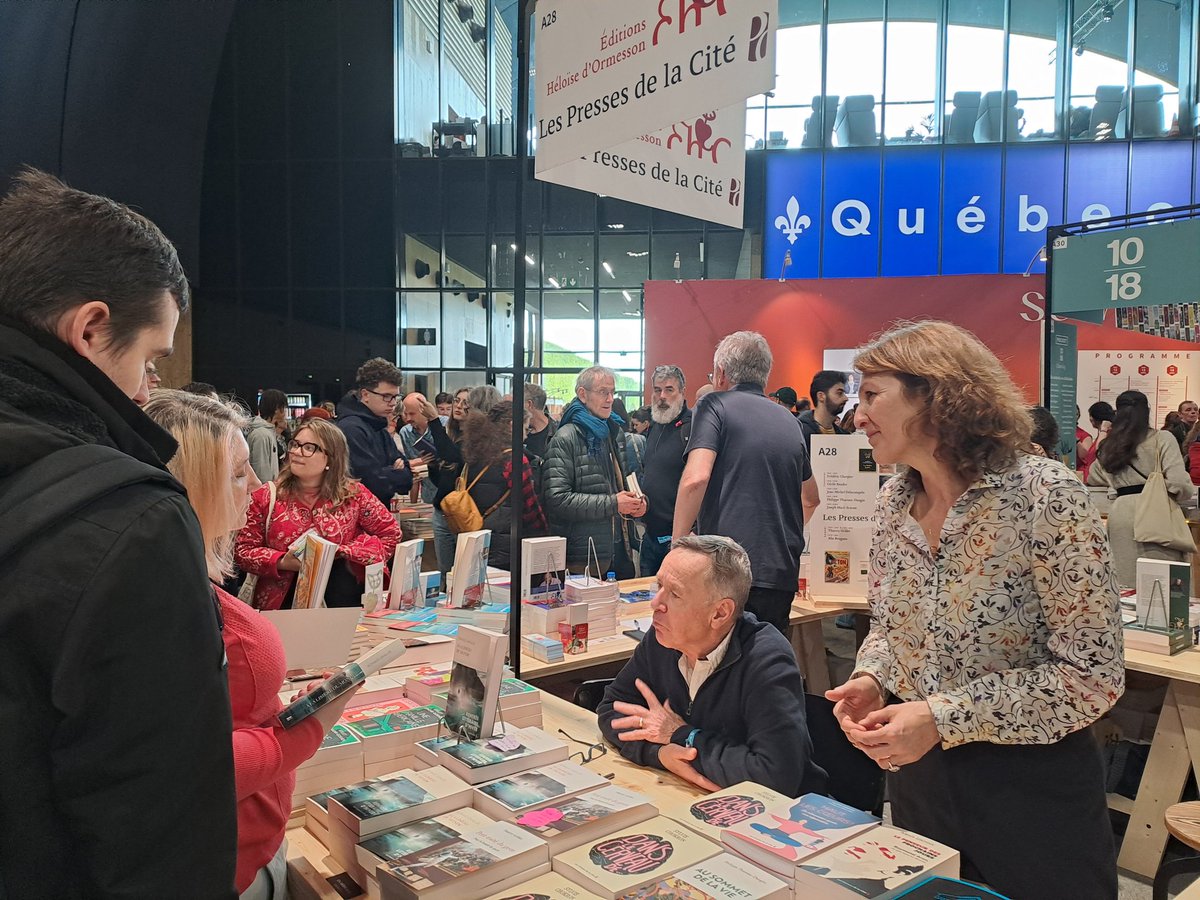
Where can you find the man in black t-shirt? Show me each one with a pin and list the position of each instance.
(747, 470)
(662, 467)
(541, 426)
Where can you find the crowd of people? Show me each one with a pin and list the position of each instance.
(141, 693)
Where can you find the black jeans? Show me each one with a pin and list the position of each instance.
(772, 606)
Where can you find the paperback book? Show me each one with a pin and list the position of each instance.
(788, 833)
(315, 567)
(468, 866)
(405, 590)
(544, 567)
(372, 598)
(475, 676)
(878, 865)
(416, 836)
(621, 863)
(587, 817)
(710, 815)
(397, 799)
(340, 682)
(468, 586)
(505, 798)
(724, 877)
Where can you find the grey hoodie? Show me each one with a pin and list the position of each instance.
(264, 449)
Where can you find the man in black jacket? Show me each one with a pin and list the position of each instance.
(711, 693)
(115, 730)
(363, 417)
(666, 449)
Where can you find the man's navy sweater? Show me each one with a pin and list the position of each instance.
(750, 711)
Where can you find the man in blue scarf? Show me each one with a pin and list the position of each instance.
(584, 478)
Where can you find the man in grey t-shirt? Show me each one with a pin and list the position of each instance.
(747, 472)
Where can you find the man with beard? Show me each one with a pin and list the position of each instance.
(828, 392)
(662, 466)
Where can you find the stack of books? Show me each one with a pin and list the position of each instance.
(1163, 620)
(476, 864)
(822, 848)
(722, 877)
(359, 811)
(633, 859)
(586, 589)
(565, 825)
(542, 647)
(490, 616)
(476, 762)
(543, 618)
(376, 850)
(710, 815)
(338, 761)
(421, 685)
(509, 797)
(415, 519)
(550, 886)
(389, 739)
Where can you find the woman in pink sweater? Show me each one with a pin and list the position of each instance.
(213, 463)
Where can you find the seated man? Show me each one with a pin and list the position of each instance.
(711, 693)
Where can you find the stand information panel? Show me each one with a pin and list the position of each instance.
(840, 536)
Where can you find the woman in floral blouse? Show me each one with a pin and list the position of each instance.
(995, 635)
(315, 491)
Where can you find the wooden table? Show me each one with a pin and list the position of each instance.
(807, 641)
(309, 864)
(1174, 753)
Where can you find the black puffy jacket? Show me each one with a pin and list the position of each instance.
(580, 491)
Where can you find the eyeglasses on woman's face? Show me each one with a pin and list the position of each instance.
(307, 448)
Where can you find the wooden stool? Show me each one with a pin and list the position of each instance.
(1183, 822)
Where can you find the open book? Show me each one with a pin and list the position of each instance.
(340, 682)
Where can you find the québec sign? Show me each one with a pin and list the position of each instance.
(953, 210)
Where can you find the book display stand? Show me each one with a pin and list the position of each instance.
(459, 732)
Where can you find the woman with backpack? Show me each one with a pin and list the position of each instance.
(488, 473)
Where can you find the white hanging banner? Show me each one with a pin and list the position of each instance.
(694, 168)
(608, 72)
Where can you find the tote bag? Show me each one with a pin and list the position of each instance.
(1157, 519)
(246, 594)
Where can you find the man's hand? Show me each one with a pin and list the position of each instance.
(428, 412)
(655, 722)
(630, 504)
(678, 761)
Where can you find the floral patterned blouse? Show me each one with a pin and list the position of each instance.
(362, 527)
(1011, 630)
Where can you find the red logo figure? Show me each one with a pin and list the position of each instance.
(735, 192)
(698, 135)
(759, 27)
(695, 7)
(1114, 370)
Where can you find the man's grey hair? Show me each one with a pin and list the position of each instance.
(535, 394)
(483, 397)
(588, 377)
(745, 357)
(669, 372)
(728, 565)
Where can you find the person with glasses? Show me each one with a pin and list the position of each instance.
(583, 478)
(363, 418)
(314, 492)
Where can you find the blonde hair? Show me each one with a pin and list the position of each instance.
(971, 407)
(336, 486)
(206, 430)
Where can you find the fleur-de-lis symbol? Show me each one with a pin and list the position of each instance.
(793, 224)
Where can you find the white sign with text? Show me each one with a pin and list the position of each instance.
(840, 535)
(1166, 377)
(693, 168)
(610, 72)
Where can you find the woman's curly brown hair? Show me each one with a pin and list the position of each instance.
(971, 407)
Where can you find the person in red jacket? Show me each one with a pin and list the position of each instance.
(315, 492)
(213, 463)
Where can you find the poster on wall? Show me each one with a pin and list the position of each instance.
(843, 361)
(1166, 377)
(694, 168)
(610, 72)
(840, 534)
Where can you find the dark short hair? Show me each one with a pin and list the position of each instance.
(271, 402)
(1101, 411)
(1045, 430)
(377, 370)
(441, 398)
(641, 415)
(61, 248)
(203, 388)
(824, 382)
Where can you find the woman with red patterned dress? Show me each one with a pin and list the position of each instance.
(314, 492)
